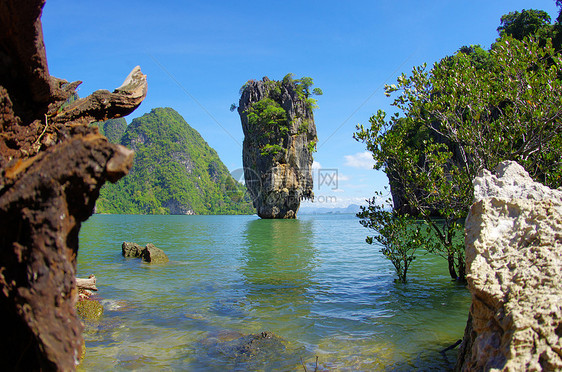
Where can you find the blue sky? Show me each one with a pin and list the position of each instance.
(197, 55)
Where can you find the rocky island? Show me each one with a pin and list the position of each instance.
(175, 170)
(279, 139)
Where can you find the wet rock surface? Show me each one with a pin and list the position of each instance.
(514, 271)
(149, 253)
(129, 249)
(153, 255)
(279, 139)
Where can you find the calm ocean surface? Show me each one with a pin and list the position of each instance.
(313, 282)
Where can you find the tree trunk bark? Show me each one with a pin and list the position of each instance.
(451, 261)
(461, 265)
(52, 166)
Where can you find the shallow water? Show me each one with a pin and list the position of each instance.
(313, 281)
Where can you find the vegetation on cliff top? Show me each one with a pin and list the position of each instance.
(469, 112)
(271, 120)
(175, 172)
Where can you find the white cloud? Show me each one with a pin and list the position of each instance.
(316, 165)
(343, 177)
(362, 160)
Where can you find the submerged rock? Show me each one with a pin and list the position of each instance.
(129, 249)
(261, 351)
(251, 346)
(279, 139)
(514, 271)
(154, 255)
(90, 311)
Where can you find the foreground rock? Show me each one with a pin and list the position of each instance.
(279, 139)
(86, 287)
(514, 272)
(52, 166)
(88, 308)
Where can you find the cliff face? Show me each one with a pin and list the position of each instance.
(52, 166)
(175, 172)
(279, 139)
(514, 266)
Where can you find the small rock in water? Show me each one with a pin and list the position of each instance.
(254, 344)
(129, 249)
(151, 254)
(117, 305)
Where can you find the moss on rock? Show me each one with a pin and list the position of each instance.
(89, 310)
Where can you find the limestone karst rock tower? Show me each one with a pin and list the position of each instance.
(279, 139)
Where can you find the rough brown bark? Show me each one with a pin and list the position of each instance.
(52, 166)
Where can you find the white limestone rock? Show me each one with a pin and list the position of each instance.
(514, 272)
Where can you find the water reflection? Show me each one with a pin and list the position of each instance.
(277, 263)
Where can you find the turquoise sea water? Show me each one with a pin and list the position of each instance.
(313, 282)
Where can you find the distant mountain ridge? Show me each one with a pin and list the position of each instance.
(350, 209)
(175, 171)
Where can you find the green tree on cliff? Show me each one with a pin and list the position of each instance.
(525, 23)
(271, 118)
(533, 23)
(303, 87)
(468, 118)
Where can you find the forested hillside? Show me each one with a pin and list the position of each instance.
(113, 129)
(175, 171)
